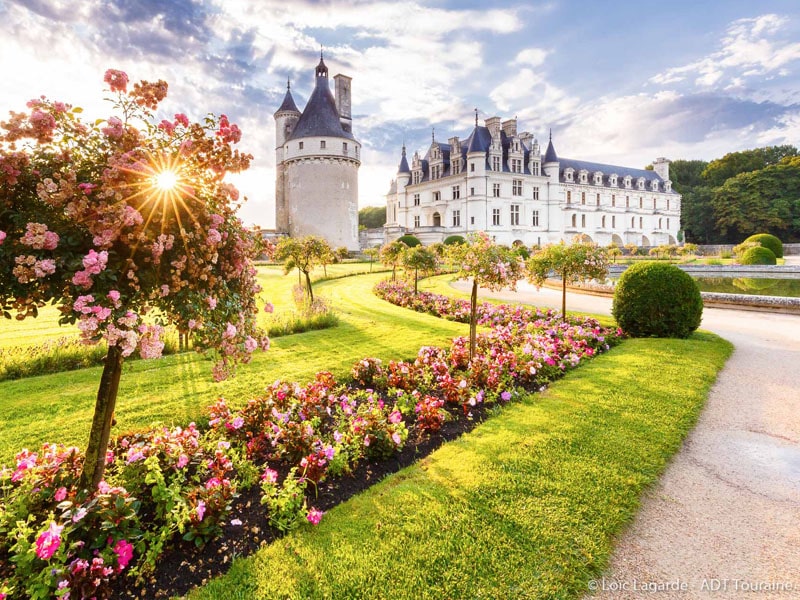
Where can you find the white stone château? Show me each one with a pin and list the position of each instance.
(317, 160)
(496, 180)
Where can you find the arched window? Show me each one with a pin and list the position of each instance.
(583, 220)
(574, 220)
(603, 221)
(437, 219)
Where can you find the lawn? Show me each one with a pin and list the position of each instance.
(525, 506)
(176, 389)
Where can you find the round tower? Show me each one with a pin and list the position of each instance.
(286, 118)
(321, 158)
(550, 164)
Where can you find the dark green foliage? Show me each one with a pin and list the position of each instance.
(409, 240)
(657, 299)
(372, 217)
(521, 251)
(735, 163)
(454, 239)
(758, 256)
(768, 241)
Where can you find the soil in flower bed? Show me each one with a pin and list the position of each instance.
(185, 566)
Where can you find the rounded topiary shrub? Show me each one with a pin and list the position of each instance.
(409, 240)
(768, 241)
(758, 256)
(454, 239)
(657, 299)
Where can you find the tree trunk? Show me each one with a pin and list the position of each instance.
(393, 271)
(473, 318)
(95, 462)
(308, 287)
(564, 298)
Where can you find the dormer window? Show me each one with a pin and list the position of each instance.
(584, 176)
(612, 180)
(667, 186)
(598, 178)
(640, 183)
(655, 185)
(568, 174)
(627, 181)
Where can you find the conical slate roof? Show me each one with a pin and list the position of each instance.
(550, 155)
(320, 117)
(403, 168)
(288, 104)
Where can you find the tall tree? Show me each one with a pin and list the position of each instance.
(734, 163)
(372, 217)
(126, 226)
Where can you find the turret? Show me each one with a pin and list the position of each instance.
(551, 165)
(285, 118)
(403, 172)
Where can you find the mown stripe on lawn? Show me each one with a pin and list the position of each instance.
(525, 506)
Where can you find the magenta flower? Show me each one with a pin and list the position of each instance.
(60, 494)
(200, 510)
(314, 516)
(2, 239)
(270, 475)
(48, 542)
(395, 417)
(124, 552)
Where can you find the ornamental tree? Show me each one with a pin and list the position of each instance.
(489, 265)
(392, 255)
(573, 262)
(419, 258)
(303, 254)
(127, 225)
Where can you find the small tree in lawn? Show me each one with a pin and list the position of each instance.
(419, 258)
(372, 254)
(392, 255)
(490, 266)
(127, 226)
(303, 254)
(614, 252)
(571, 262)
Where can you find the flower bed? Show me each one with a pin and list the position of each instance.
(171, 488)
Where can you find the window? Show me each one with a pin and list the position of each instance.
(515, 214)
(535, 168)
(598, 178)
(613, 222)
(416, 177)
(640, 223)
(344, 147)
(516, 165)
(496, 216)
(640, 181)
(583, 177)
(416, 199)
(495, 163)
(535, 222)
(627, 201)
(472, 167)
(437, 196)
(659, 223)
(598, 199)
(437, 219)
(568, 174)
(603, 222)
(641, 202)
(322, 145)
(516, 187)
(472, 220)
(583, 197)
(472, 191)
(569, 196)
(456, 218)
(535, 192)
(574, 220)
(300, 146)
(496, 190)
(416, 221)
(613, 199)
(654, 204)
(583, 220)
(667, 223)
(632, 221)
(667, 203)
(456, 192)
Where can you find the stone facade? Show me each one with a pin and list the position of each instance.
(497, 180)
(317, 160)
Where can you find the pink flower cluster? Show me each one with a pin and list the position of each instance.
(229, 132)
(38, 237)
(93, 264)
(116, 80)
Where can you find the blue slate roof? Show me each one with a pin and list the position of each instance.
(607, 170)
(479, 140)
(288, 104)
(550, 155)
(320, 116)
(403, 168)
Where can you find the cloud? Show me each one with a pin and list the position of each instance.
(747, 50)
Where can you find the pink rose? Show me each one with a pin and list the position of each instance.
(2, 237)
(116, 80)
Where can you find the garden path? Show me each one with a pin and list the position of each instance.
(724, 515)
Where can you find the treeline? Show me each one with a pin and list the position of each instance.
(372, 217)
(742, 193)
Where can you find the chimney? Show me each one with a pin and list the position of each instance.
(510, 127)
(661, 167)
(493, 125)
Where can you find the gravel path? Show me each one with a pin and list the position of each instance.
(724, 519)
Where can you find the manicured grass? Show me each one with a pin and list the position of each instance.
(176, 389)
(526, 506)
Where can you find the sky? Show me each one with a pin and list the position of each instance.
(619, 82)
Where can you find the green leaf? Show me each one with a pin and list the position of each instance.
(77, 110)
